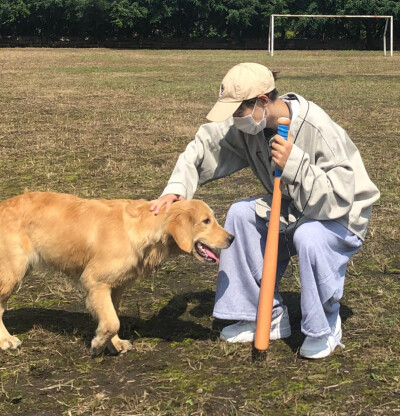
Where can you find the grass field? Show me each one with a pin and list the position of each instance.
(111, 124)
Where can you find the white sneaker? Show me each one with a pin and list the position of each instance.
(244, 331)
(323, 346)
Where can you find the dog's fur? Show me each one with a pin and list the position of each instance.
(104, 243)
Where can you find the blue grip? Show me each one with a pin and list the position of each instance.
(283, 130)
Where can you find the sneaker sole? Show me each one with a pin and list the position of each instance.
(281, 334)
(233, 340)
(321, 354)
(275, 335)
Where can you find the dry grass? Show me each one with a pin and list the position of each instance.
(111, 123)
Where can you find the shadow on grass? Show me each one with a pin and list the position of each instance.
(167, 324)
(172, 323)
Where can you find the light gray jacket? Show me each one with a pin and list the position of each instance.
(324, 177)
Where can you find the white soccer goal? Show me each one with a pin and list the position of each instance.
(272, 23)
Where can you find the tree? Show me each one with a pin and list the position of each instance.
(12, 14)
(127, 17)
(222, 19)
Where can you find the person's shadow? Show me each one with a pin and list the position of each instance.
(174, 322)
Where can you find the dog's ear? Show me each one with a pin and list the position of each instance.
(180, 226)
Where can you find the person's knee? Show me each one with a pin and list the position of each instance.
(239, 211)
(308, 237)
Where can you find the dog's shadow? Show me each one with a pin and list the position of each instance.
(176, 321)
(173, 322)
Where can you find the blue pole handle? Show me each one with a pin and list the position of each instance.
(283, 130)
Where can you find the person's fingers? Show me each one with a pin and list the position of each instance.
(279, 139)
(166, 200)
(153, 204)
(173, 199)
(168, 204)
(157, 205)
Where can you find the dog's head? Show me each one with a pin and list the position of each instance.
(195, 230)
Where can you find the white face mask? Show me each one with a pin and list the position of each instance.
(248, 125)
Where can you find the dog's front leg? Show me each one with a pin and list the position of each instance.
(116, 344)
(99, 303)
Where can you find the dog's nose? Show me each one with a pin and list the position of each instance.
(230, 239)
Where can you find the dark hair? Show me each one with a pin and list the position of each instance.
(272, 95)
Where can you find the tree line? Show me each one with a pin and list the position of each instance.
(214, 19)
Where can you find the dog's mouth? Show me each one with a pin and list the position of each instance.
(206, 253)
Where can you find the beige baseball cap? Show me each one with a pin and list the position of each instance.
(242, 82)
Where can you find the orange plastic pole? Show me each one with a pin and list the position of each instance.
(268, 277)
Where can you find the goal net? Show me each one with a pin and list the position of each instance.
(389, 19)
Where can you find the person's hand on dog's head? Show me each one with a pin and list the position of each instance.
(165, 201)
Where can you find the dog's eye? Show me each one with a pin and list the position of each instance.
(207, 221)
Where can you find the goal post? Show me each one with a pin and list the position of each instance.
(387, 18)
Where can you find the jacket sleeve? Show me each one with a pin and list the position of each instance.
(214, 153)
(324, 189)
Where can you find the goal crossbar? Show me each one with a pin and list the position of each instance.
(388, 19)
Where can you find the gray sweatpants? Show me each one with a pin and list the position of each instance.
(324, 249)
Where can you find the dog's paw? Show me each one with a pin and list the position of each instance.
(119, 346)
(9, 342)
(97, 347)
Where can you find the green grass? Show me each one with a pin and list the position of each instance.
(111, 124)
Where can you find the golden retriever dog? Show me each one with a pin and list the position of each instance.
(104, 243)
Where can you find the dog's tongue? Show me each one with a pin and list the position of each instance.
(211, 254)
